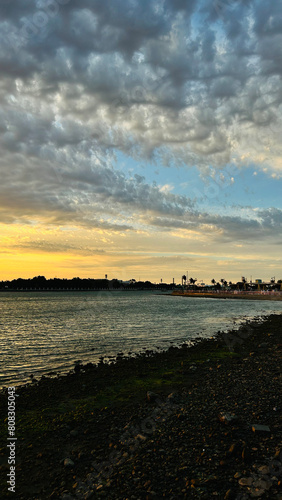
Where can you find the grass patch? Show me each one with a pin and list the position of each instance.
(162, 374)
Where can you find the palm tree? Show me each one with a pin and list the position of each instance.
(192, 282)
(183, 278)
(213, 281)
(223, 282)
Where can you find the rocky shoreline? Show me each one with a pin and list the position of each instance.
(197, 422)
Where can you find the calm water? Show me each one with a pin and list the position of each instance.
(43, 332)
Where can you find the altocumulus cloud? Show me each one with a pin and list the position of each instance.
(194, 83)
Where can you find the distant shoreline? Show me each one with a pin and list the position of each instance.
(244, 296)
(86, 290)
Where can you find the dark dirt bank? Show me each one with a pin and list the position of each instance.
(97, 434)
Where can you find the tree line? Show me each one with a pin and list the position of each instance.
(40, 283)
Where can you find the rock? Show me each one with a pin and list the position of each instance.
(88, 495)
(152, 397)
(257, 493)
(74, 433)
(246, 455)
(141, 437)
(173, 396)
(237, 475)
(260, 428)
(246, 481)
(234, 450)
(264, 345)
(263, 470)
(77, 368)
(68, 462)
(230, 495)
(261, 484)
(193, 368)
(275, 468)
(227, 418)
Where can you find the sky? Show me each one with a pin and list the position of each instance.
(141, 139)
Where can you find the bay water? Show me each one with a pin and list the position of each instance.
(46, 332)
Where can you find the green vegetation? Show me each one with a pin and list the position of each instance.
(125, 383)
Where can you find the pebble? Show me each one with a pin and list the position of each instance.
(263, 344)
(172, 396)
(256, 493)
(74, 433)
(68, 462)
(88, 495)
(152, 397)
(230, 495)
(193, 368)
(260, 483)
(141, 437)
(246, 481)
(260, 428)
(235, 449)
(227, 418)
(263, 469)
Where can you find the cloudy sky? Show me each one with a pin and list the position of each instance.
(141, 139)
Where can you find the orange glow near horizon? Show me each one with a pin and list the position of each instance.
(68, 252)
(27, 265)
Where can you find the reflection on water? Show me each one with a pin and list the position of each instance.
(40, 332)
